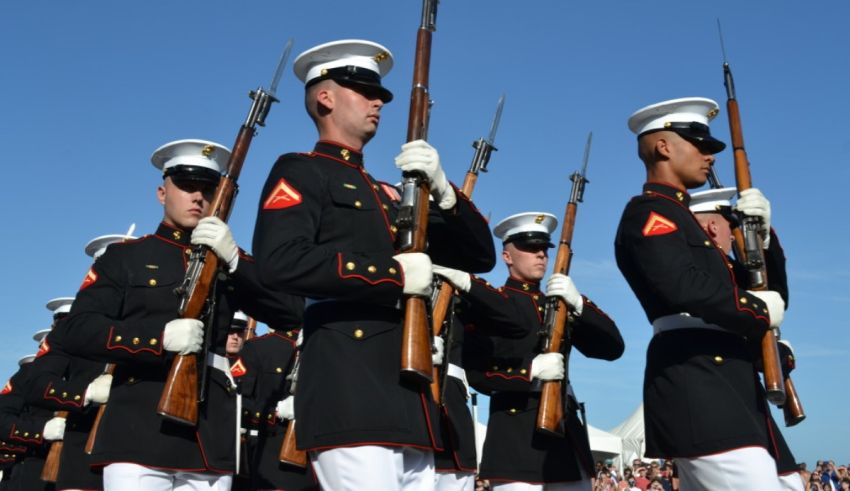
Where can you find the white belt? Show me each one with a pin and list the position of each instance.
(460, 374)
(682, 321)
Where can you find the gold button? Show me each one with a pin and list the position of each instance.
(371, 269)
(393, 228)
(257, 415)
(765, 311)
(278, 370)
(349, 266)
(512, 410)
(536, 297)
(118, 339)
(77, 398)
(509, 369)
(358, 333)
(187, 251)
(64, 395)
(495, 367)
(385, 207)
(523, 371)
(131, 379)
(358, 204)
(52, 391)
(708, 243)
(26, 433)
(136, 340)
(153, 341)
(152, 282)
(718, 360)
(37, 435)
(392, 270)
(743, 300)
(540, 309)
(270, 416)
(17, 432)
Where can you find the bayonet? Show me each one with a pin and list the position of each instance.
(483, 148)
(580, 179)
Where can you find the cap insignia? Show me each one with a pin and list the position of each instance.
(324, 71)
(668, 124)
(345, 153)
(713, 113)
(539, 219)
(207, 150)
(680, 196)
(381, 56)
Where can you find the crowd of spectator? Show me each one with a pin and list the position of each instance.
(658, 475)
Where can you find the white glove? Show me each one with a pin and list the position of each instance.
(752, 202)
(215, 234)
(459, 279)
(54, 429)
(98, 390)
(439, 350)
(286, 408)
(775, 306)
(560, 285)
(183, 336)
(548, 366)
(418, 274)
(419, 156)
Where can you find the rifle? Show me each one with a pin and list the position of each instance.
(50, 471)
(556, 331)
(749, 247)
(251, 329)
(180, 396)
(444, 293)
(413, 212)
(289, 453)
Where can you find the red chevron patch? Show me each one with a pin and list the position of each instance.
(658, 225)
(282, 196)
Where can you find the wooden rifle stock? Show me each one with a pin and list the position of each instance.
(110, 369)
(550, 413)
(753, 257)
(289, 453)
(50, 471)
(792, 408)
(416, 360)
(444, 299)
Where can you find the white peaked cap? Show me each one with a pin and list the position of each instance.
(711, 200)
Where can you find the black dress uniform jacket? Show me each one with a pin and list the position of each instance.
(21, 429)
(459, 453)
(119, 315)
(261, 372)
(702, 394)
(60, 385)
(325, 230)
(502, 339)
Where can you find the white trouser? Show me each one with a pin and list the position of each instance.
(583, 485)
(454, 481)
(134, 477)
(741, 469)
(374, 467)
(791, 482)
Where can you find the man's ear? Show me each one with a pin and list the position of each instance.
(506, 256)
(160, 194)
(325, 98)
(664, 148)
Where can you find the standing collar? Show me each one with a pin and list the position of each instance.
(339, 152)
(663, 188)
(174, 234)
(525, 286)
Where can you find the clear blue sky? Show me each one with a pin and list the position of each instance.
(90, 89)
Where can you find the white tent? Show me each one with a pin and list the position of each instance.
(631, 432)
(604, 445)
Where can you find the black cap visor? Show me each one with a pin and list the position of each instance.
(192, 173)
(699, 135)
(356, 77)
(530, 239)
